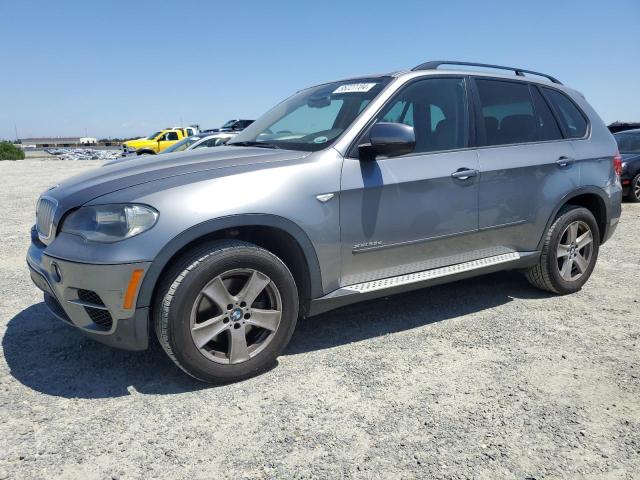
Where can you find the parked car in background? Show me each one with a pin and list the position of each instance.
(201, 141)
(190, 143)
(629, 147)
(346, 191)
(616, 127)
(233, 126)
(158, 141)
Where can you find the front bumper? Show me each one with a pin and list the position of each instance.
(91, 298)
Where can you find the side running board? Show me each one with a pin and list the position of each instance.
(412, 281)
(431, 274)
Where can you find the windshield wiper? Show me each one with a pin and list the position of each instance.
(254, 144)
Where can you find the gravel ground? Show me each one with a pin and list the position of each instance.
(484, 378)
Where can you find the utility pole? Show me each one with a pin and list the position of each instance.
(15, 127)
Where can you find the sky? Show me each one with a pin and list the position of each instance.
(124, 69)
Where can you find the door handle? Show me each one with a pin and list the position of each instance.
(564, 162)
(464, 173)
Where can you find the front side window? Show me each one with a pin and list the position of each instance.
(436, 108)
(507, 113)
(401, 111)
(573, 121)
(170, 136)
(314, 118)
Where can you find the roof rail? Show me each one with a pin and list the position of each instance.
(433, 65)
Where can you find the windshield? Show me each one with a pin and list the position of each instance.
(152, 137)
(313, 118)
(229, 124)
(628, 142)
(181, 145)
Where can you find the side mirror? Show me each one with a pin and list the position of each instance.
(389, 140)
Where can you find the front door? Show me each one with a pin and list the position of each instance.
(419, 211)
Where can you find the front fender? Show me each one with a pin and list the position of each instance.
(198, 231)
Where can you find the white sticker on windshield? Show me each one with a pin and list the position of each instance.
(320, 139)
(354, 87)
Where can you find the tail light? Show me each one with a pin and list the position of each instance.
(617, 164)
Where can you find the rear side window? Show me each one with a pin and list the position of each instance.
(548, 128)
(572, 120)
(172, 136)
(507, 112)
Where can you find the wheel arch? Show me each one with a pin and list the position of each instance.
(279, 235)
(145, 151)
(593, 199)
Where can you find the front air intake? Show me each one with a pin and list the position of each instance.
(96, 309)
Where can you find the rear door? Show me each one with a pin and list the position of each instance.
(526, 165)
(593, 158)
(408, 213)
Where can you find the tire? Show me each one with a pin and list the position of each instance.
(552, 273)
(634, 189)
(229, 271)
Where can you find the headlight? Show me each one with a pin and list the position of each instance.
(110, 223)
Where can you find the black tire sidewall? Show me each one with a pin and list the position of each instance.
(561, 285)
(188, 355)
(632, 195)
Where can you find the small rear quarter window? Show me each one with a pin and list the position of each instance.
(570, 117)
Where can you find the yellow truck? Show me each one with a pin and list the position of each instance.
(158, 141)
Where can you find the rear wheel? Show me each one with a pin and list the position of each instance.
(569, 252)
(226, 311)
(634, 189)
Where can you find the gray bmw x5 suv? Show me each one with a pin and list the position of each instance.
(345, 191)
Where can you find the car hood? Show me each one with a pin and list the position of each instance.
(83, 188)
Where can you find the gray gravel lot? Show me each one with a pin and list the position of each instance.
(484, 378)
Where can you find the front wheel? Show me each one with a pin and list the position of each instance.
(569, 252)
(226, 311)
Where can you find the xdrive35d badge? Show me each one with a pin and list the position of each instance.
(346, 191)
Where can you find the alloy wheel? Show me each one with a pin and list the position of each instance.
(636, 187)
(235, 316)
(575, 251)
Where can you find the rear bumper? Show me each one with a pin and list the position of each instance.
(91, 298)
(613, 208)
